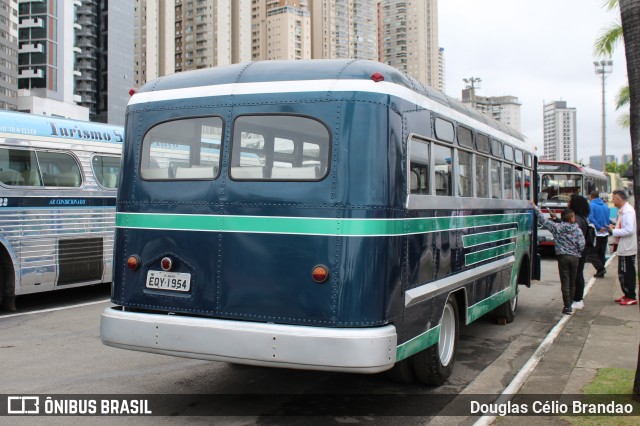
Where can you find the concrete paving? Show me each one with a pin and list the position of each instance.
(602, 335)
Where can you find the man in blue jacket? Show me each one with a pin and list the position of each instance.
(599, 217)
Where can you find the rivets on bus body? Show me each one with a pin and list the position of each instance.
(166, 263)
(133, 262)
(320, 273)
(377, 77)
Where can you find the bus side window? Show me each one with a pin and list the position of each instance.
(19, 167)
(464, 174)
(508, 181)
(59, 169)
(482, 170)
(442, 158)
(496, 179)
(419, 167)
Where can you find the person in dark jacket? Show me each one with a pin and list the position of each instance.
(599, 217)
(580, 207)
(569, 243)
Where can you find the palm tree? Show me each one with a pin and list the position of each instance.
(604, 46)
(630, 21)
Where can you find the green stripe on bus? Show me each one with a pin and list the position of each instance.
(312, 226)
(488, 237)
(418, 343)
(490, 253)
(490, 303)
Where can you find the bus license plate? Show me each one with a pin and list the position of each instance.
(175, 281)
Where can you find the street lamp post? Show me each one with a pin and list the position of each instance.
(603, 68)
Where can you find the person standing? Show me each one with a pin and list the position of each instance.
(569, 243)
(580, 207)
(624, 234)
(599, 217)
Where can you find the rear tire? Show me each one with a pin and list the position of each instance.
(507, 310)
(434, 365)
(402, 372)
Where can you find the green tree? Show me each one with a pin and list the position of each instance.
(604, 46)
(614, 167)
(630, 21)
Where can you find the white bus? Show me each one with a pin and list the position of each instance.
(58, 181)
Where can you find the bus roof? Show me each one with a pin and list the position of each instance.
(14, 124)
(567, 166)
(315, 70)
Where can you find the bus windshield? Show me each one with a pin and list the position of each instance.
(559, 187)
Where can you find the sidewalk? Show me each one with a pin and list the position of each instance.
(602, 335)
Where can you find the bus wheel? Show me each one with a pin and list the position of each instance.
(434, 365)
(401, 372)
(507, 311)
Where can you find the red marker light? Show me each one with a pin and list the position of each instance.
(132, 91)
(133, 262)
(320, 273)
(377, 77)
(166, 263)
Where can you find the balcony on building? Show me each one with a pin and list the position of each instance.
(31, 48)
(31, 23)
(31, 73)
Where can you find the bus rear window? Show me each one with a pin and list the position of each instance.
(279, 147)
(185, 149)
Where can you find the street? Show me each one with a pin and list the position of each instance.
(59, 352)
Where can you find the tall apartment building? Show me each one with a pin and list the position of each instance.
(9, 55)
(409, 38)
(344, 29)
(280, 29)
(595, 161)
(560, 141)
(442, 75)
(181, 35)
(104, 63)
(46, 56)
(505, 109)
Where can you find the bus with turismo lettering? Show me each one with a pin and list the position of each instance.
(558, 181)
(58, 181)
(330, 215)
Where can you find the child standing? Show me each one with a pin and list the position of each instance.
(569, 242)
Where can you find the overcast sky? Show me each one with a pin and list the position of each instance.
(539, 51)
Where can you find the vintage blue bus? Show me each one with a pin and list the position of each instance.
(330, 215)
(58, 181)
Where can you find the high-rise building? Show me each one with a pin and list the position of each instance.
(281, 29)
(595, 161)
(409, 38)
(46, 59)
(441, 70)
(344, 29)
(104, 66)
(505, 109)
(560, 141)
(9, 55)
(625, 158)
(177, 35)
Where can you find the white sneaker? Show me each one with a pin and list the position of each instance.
(577, 305)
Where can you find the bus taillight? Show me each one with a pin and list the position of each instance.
(320, 273)
(166, 263)
(133, 262)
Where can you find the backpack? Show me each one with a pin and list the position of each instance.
(590, 236)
